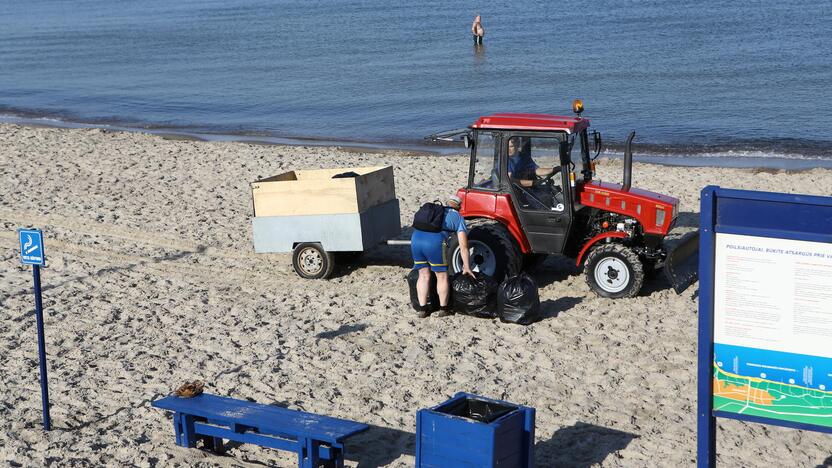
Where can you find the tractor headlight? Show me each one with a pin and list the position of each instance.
(660, 216)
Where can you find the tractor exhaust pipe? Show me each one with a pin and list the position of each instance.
(628, 162)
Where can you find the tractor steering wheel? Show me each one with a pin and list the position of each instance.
(542, 181)
(546, 181)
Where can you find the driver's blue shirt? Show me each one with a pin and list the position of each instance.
(519, 165)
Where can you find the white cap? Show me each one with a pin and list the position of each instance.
(455, 199)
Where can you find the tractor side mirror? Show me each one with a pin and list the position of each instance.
(467, 141)
(565, 156)
(596, 138)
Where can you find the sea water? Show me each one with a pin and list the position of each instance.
(711, 81)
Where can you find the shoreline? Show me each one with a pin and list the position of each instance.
(727, 159)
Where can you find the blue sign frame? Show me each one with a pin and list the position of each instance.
(749, 213)
(31, 247)
(31, 253)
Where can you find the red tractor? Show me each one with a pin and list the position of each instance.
(531, 193)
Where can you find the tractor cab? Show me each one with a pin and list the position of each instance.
(536, 160)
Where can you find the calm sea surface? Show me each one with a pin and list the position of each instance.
(713, 80)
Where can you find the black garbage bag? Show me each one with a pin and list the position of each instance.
(477, 297)
(518, 300)
(433, 296)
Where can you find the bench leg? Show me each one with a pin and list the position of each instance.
(308, 453)
(177, 428)
(188, 432)
(339, 459)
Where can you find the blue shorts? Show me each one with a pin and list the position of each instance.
(428, 250)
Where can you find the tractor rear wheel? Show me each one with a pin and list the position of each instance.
(614, 271)
(493, 250)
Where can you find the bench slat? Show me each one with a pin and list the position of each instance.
(266, 418)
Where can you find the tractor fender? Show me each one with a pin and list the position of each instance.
(594, 240)
(512, 228)
(497, 207)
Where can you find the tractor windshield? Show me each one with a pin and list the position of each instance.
(485, 164)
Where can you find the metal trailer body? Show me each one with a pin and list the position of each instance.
(345, 232)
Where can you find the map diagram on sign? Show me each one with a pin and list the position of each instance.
(776, 395)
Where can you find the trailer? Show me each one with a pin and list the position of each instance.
(320, 212)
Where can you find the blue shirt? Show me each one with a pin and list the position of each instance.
(453, 223)
(519, 166)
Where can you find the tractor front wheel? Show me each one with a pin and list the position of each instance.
(614, 271)
(492, 250)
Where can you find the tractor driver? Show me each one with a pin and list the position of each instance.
(521, 167)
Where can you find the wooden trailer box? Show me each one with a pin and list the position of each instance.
(315, 192)
(311, 214)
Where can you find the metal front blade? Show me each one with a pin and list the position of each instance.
(682, 264)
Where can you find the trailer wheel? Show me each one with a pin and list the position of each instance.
(311, 261)
(493, 251)
(614, 271)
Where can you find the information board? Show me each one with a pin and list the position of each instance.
(765, 312)
(773, 328)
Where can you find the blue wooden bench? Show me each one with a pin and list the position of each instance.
(318, 440)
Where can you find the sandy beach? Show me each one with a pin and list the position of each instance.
(152, 280)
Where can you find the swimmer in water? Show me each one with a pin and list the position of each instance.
(477, 30)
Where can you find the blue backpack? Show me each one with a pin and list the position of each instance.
(429, 217)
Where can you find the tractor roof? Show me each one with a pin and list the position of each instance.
(544, 122)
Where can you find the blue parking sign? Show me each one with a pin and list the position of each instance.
(31, 247)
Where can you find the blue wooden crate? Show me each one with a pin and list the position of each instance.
(472, 431)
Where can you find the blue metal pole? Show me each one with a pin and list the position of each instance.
(706, 422)
(44, 385)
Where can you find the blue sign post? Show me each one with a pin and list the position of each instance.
(765, 285)
(31, 253)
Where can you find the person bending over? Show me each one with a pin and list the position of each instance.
(428, 250)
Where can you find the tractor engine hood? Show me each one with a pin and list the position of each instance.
(654, 211)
